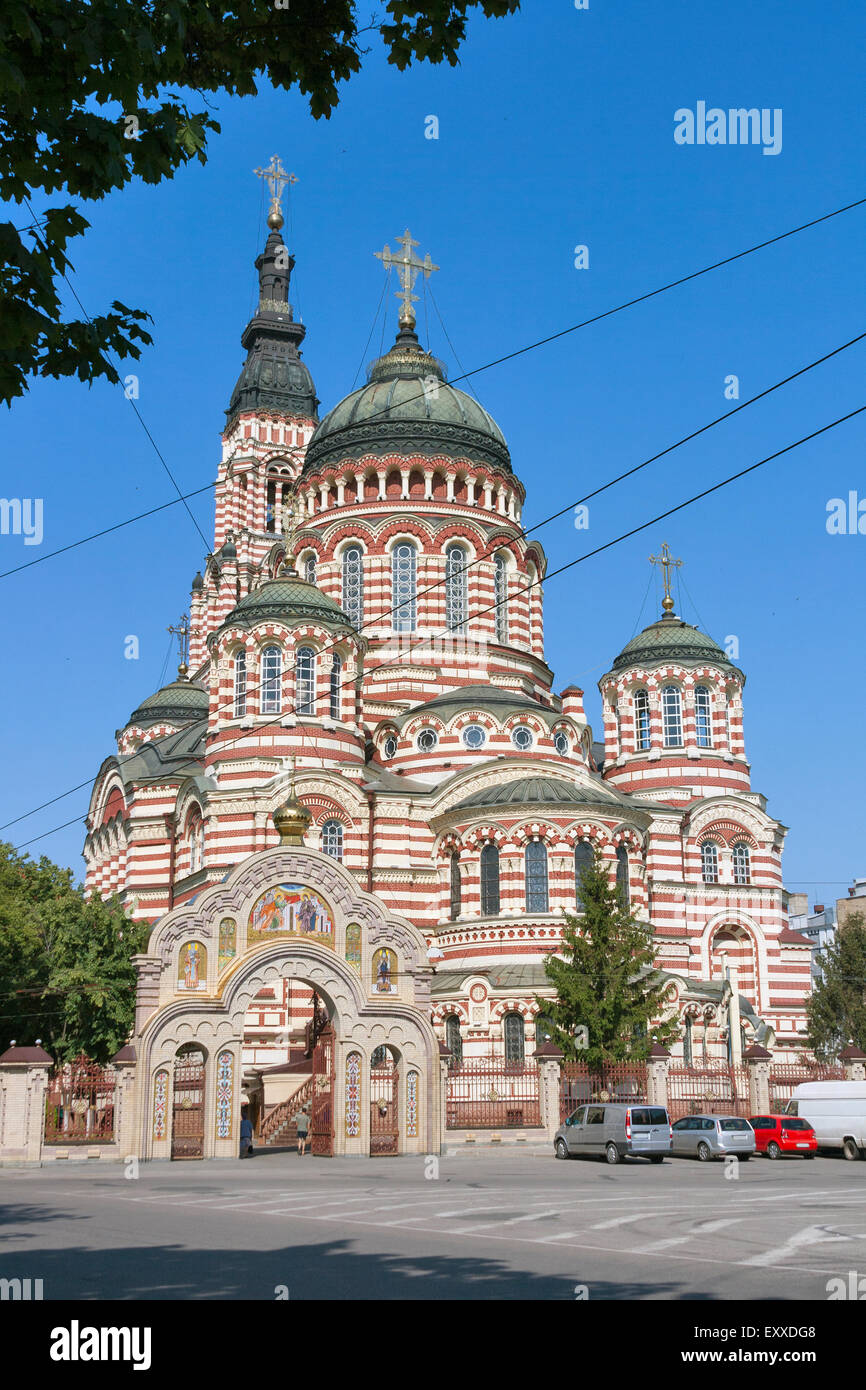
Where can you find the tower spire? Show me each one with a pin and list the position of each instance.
(666, 562)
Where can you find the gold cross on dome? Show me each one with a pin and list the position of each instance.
(408, 269)
(667, 563)
(277, 179)
(181, 632)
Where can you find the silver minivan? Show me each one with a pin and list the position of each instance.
(615, 1130)
(713, 1136)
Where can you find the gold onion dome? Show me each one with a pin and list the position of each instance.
(292, 820)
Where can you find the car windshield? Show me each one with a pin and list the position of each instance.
(792, 1122)
(734, 1124)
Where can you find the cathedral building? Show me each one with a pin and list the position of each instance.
(366, 642)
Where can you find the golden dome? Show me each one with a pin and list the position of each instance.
(292, 820)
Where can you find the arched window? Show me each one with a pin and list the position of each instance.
(403, 565)
(310, 568)
(336, 686)
(353, 584)
(703, 717)
(536, 877)
(742, 863)
(583, 858)
(709, 862)
(240, 684)
(622, 872)
(332, 839)
(514, 1031)
(641, 720)
(543, 1030)
(728, 724)
(453, 1040)
(500, 594)
(456, 593)
(195, 837)
(672, 717)
(272, 672)
(455, 886)
(688, 1025)
(489, 881)
(305, 680)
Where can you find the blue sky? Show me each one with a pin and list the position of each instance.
(555, 131)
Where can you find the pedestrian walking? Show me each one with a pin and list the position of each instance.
(302, 1120)
(246, 1135)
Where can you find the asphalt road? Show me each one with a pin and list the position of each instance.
(490, 1225)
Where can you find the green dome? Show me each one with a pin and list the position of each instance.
(407, 407)
(177, 703)
(671, 639)
(287, 599)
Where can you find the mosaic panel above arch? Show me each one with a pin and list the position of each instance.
(291, 910)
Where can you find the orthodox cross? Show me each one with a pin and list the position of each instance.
(277, 180)
(667, 563)
(408, 268)
(181, 632)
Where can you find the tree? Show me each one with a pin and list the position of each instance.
(91, 96)
(836, 1010)
(66, 971)
(605, 977)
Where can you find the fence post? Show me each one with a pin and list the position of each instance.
(126, 1128)
(23, 1085)
(549, 1059)
(657, 1074)
(758, 1060)
(855, 1063)
(444, 1057)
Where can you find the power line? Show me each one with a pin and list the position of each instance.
(562, 569)
(292, 451)
(522, 534)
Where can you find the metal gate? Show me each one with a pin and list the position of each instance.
(79, 1106)
(187, 1117)
(785, 1076)
(714, 1088)
(322, 1112)
(617, 1081)
(384, 1110)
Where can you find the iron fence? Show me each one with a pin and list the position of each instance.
(714, 1088)
(785, 1076)
(79, 1106)
(489, 1093)
(611, 1081)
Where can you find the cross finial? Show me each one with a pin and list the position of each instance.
(408, 268)
(181, 632)
(667, 563)
(277, 180)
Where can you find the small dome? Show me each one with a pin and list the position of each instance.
(177, 703)
(671, 639)
(229, 549)
(287, 599)
(197, 583)
(407, 407)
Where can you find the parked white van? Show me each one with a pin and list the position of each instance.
(836, 1110)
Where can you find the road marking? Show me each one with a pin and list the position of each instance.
(512, 1221)
(625, 1220)
(810, 1235)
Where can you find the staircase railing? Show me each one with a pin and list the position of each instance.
(285, 1111)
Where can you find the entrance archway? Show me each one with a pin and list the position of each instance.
(384, 1102)
(188, 1099)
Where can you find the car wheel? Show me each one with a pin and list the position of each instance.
(704, 1153)
(612, 1154)
(744, 1158)
(773, 1150)
(560, 1148)
(808, 1155)
(850, 1149)
(656, 1158)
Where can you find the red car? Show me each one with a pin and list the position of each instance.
(783, 1134)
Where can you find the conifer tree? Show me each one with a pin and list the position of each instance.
(836, 1010)
(605, 977)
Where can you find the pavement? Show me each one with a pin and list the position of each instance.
(479, 1225)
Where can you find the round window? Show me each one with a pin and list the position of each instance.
(474, 736)
(390, 746)
(561, 744)
(521, 737)
(427, 740)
